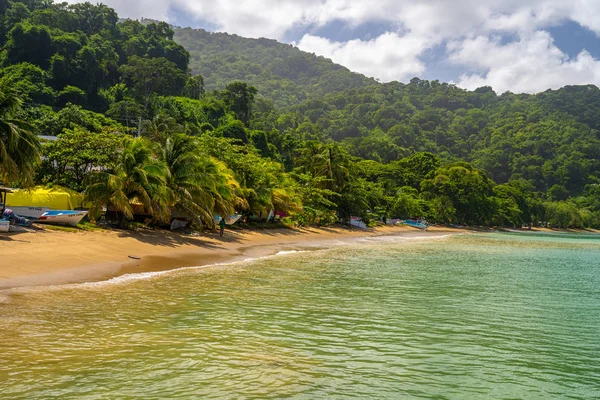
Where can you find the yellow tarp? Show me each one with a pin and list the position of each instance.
(57, 198)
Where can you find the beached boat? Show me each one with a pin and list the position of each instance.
(62, 217)
(358, 223)
(417, 224)
(229, 220)
(30, 212)
(4, 225)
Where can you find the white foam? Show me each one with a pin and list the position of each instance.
(285, 253)
(127, 278)
(399, 239)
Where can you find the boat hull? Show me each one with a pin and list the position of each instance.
(230, 220)
(4, 226)
(30, 212)
(61, 217)
(416, 224)
(357, 222)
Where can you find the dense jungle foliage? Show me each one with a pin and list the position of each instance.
(280, 72)
(141, 132)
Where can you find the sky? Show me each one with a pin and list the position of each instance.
(511, 45)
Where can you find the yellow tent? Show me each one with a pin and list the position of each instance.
(57, 198)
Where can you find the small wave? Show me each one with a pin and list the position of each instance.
(284, 253)
(140, 276)
(399, 239)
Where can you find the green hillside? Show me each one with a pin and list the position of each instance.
(550, 139)
(281, 73)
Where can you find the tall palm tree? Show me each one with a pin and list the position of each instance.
(201, 185)
(138, 179)
(160, 127)
(266, 186)
(19, 145)
(327, 160)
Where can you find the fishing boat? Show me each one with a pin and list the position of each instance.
(4, 225)
(358, 223)
(61, 217)
(417, 224)
(229, 220)
(30, 212)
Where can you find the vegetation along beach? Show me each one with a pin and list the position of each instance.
(190, 213)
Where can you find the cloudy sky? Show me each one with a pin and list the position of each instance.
(517, 45)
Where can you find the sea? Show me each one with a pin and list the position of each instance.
(470, 316)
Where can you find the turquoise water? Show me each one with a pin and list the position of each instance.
(472, 316)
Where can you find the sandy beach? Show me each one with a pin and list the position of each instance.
(49, 257)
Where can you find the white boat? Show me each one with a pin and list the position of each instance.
(229, 220)
(61, 217)
(358, 223)
(30, 212)
(4, 225)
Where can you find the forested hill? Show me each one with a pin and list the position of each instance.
(551, 139)
(281, 73)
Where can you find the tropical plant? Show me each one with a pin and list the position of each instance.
(19, 145)
(76, 153)
(201, 185)
(138, 179)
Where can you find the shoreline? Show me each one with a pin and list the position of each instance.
(47, 257)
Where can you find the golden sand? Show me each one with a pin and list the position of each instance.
(48, 257)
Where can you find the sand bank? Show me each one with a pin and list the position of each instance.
(49, 257)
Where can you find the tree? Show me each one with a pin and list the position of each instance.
(239, 97)
(264, 185)
(201, 185)
(328, 160)
(407, 203)
(76, 153)
(19, 145)
(137, 178)
(75, 116)
(194, 87)
(234, 129)
(468, 189)
(24, 38)
(160, 127)
(153, 76)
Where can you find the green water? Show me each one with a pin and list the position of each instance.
(472, 316)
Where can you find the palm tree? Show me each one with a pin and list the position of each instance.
(138, 179)
(201, 185)
(160, 127)
(266, 186)
(327, 160)
(19, 145)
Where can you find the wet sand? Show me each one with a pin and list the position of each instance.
(50, 257)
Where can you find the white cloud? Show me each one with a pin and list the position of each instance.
(388, 57)
(155, 9)
(532, 64)
(443, 18)
(470, 27)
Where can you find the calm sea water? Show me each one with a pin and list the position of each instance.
(473, 316)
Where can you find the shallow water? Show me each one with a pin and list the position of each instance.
(471, 316)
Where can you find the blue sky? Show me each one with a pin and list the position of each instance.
(517, 45)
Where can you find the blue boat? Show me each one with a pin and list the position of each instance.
(420, 224)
